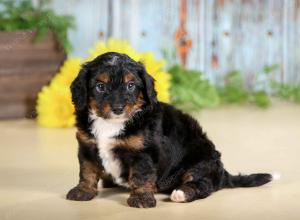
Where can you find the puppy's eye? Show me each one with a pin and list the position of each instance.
(100, 87)
(130, 86)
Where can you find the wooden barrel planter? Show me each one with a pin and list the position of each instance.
(25, 66)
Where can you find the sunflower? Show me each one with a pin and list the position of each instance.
(162, 79)
(67, 72)
(113, 45)
(54, 105)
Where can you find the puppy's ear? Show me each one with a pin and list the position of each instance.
(79, 89)
(149, 92)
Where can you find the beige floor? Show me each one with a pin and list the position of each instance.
(38, 166)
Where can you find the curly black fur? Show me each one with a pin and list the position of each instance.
(175, 152)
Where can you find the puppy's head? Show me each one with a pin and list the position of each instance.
(113, 86)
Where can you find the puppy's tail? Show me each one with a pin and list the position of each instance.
(252, 180)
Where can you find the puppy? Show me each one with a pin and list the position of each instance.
(127, 138)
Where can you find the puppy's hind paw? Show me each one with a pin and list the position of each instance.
(178, 196)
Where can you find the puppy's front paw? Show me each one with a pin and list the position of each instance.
(79, 194)
(142, 200)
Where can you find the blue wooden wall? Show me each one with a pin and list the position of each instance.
(227, 35)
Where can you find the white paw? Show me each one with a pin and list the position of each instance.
(276, 176)
(177, 196)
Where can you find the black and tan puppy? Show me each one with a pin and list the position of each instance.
(126, 137)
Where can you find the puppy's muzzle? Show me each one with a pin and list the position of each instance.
(118, 109)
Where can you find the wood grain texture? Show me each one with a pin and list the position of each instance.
(227, 35)
(92, 22)
(25, 67)
(243, 35)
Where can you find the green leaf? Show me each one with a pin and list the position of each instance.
(23, 15)
(189, 91)
(233, 90)
(270, 68)
(262, 99)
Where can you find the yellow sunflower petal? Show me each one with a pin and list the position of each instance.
(54, 105)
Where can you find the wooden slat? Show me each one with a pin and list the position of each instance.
(227, 35)
(91, 17)
(18, 94)
(25, 68)
(30, 56)
(17, 110)
(21, 83)
(21, 40)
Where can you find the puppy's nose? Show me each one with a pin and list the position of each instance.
(118, 109)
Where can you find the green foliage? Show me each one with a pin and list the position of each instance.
(268, 69)
(190, 91)
(233, 90)
(287, 92)
(169, 55)
(290, 92)
(261, 99)
(23, 15)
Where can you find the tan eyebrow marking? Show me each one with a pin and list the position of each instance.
(128, 77)
(104, 77)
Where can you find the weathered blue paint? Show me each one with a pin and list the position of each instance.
(237, 35)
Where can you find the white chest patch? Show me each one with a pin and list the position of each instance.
(104, 132)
